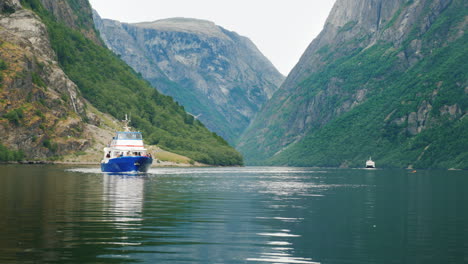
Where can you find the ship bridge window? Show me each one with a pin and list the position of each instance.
(130, 136)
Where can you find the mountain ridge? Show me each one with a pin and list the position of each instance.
(214, 73)
(365, 53)
(186, 25)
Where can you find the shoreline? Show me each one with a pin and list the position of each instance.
(46, 162)
(168, 164)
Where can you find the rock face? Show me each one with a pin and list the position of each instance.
(72, 14)
(41, 111)
(371, 84)
(214, 73)
(9, 6)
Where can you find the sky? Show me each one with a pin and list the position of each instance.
(281, 29)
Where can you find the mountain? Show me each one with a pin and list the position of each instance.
(216, 74)
(41, 109)
(58, 80)
(385, 79)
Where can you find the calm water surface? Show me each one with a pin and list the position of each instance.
(55, 214)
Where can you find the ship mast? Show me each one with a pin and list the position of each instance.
(126, 123)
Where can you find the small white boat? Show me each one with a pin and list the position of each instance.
(370, 163)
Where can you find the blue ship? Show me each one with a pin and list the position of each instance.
(126, 153)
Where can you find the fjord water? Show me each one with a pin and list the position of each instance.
(55, 214)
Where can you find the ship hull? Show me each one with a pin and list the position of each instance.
(127, 164)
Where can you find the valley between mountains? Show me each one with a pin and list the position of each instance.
(385, 79)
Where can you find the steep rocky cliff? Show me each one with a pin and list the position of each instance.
(384, 78)
(75, 14)
(41, 110)
(214, 73)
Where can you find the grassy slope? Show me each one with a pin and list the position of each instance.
(114, 88)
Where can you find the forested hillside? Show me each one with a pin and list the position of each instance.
(385, 79)
(113, 87)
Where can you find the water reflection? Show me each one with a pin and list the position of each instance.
(283, 254)
(123, 198)
(284, 192)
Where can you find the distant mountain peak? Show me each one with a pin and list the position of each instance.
(186, 25)
(213, 72)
